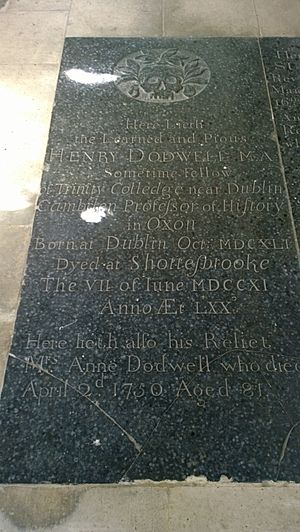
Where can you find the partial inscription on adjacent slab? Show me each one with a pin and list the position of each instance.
(282, 61)
(157, 334)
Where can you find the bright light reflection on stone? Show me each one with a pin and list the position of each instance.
(89, 78)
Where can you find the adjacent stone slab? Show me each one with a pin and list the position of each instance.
(282, 61)
(157, 334)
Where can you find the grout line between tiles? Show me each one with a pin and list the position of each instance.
(32, 11)
(257, 20)
(21, 65)
(67, 24)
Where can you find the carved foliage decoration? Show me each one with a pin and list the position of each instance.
(162, 76)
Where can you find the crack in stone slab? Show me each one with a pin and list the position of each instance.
(229, 351)
(285, 445)
(140, 448)
(279, 401)
(137, 445)
(67, 325)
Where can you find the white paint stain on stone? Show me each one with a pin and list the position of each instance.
(95, 215)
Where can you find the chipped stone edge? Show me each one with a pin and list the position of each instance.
(190, 481)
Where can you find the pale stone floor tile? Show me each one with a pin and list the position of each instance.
(85, 509)
(203, 18)
(3, 5)
(13, 245)
(210, 508)
(122, 509)
(241, 508)
(36, 508)
(6, 329)
(39, 5)
(96, 18)
(6, 525)
(30, 38)
(20, 184)
(26, 99)
(279, 17)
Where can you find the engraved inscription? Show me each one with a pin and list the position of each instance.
(156, 335)
(283, 69)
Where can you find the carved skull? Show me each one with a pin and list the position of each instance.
(161, 82)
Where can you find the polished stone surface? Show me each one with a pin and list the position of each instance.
(282, 62)
(157, 331)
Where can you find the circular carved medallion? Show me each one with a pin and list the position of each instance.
(161, 76)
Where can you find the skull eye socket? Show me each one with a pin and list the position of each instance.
(153, 80)
(171, 80)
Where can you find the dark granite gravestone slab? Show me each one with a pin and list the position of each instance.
(157, 334)
(282, 62)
